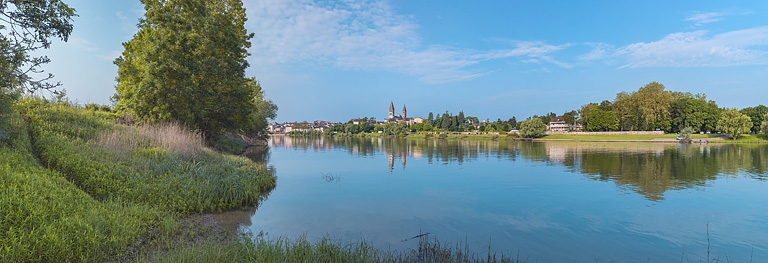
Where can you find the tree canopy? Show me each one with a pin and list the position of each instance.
(756, 115)
(764, 125)
(187, 64)
(26, 26)
(532, 128)
(734, 123)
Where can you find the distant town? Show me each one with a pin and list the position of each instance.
(464, 125)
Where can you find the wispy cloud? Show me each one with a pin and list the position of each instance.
(697, 49)
(691, 49)
(700, 18)
(367, 35)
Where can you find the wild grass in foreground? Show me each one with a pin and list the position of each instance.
(260, 249)
(106, 191)
(46, 218)
(163, 166)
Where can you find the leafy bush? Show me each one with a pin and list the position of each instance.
(686, 134)
(532, 128)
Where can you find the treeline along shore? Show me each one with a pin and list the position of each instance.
(649, 113)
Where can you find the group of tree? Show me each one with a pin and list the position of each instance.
(653, 108)
(448, 122)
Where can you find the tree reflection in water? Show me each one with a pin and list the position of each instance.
(649, 169)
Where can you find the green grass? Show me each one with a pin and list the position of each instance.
(622, 137)
(747, 138)
(105, 190)
(260, 249)
(46, 218)
(142, 165)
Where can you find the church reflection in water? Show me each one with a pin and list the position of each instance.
(649, 169)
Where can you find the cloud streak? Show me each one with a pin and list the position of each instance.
(697, 49)
(690, 49)
(367, 35)
(701, 18)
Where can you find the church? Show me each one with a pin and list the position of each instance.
(398, 119)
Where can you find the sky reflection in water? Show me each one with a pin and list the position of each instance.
(558, 202)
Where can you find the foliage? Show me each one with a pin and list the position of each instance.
(571, 117)
(686, 134)
(25, 27)
(165, 167)
(601, 120)
(694, 112)
(646, 109)
(187, 65)
(734, 123)
(756, 115)
(261, 249)
(764, 125)
(6, 110)
(390, 128)
(532, 128)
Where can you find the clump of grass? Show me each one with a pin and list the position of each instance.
(261, 249)
(169, 136)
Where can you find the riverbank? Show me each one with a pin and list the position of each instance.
(77, 186)
(583, 137)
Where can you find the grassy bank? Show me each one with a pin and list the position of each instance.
(75, 186)
(711, 138)
(249, 249)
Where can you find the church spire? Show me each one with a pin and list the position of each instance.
(405, 113)
(391, 110)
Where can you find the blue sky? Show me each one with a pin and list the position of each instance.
(336, 60)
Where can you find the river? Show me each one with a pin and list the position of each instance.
(547, 201)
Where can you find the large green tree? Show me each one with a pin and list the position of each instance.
(648, 108)
(695, 112)
(187, 64)
(734, 123)
(756, 114)
(602, 120)
(532, 128)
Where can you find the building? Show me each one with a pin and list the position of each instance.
(558, 125)
(403, 118)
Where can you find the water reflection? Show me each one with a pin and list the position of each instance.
(649, 169)
(554, 202)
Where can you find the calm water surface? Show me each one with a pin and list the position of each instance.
(552, 202)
